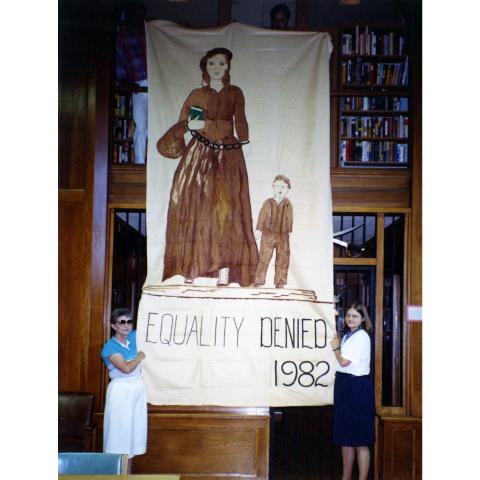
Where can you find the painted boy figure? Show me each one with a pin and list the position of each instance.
(275, 224)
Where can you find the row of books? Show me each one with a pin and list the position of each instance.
(372, 73)
(123, 105)
(123, 152)
(123, 128)
(365, 42)
(373, 126)
(394, 104)
(373, 151)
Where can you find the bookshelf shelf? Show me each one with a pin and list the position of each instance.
(380, 58)
(359, 163)
(373, 112)
(372, 86)
(373, 98)
(374, 139)
(373, 92)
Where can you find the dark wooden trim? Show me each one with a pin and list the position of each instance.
(354, 261)
(379, 310)
(415, 328)
(71, 195)
(99, 212)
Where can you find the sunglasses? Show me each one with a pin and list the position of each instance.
(124, 322)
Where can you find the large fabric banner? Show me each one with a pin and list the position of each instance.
(237, 306)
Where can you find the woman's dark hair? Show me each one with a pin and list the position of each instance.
(211, 53)
(120, 312)
(362, 310)
(280, 8)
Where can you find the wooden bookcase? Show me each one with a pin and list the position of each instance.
(122, 125)
(373, 97)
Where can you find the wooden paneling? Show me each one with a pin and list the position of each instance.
(73, 114)
(402, 449)
(84, 48)
(128, 185)
(370, 189)
(204, 444)
(361, 189)
(74, 295)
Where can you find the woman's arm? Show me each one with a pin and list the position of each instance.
(342, 361)
(335, 343)
(241, 125)
(124, 366)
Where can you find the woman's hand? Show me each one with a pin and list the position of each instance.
(196, 124)
(335, 343)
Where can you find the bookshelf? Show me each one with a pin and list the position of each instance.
(123, 126)
(373, 97)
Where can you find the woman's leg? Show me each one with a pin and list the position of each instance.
(363, 460)
(348, 457)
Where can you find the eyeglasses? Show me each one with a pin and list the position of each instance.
(124, 322)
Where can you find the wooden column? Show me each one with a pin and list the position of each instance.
(84, 69)
(415, 328)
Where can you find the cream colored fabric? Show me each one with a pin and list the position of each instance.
(284, 77)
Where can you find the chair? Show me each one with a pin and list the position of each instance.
(89, 463)
(76, 431)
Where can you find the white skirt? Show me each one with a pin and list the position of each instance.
(125, 418)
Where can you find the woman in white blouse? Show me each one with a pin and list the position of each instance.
(354, 401)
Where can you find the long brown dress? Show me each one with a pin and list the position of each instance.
(209, 215)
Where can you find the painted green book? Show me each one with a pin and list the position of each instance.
(196, 113)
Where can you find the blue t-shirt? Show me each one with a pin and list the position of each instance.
(128, 352)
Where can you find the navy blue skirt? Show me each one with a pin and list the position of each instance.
(353, 411)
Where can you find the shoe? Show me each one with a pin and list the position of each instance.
(223, 277)
(279, 286)
(188, 281)
(258, 285)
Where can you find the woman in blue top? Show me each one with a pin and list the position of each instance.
(354, 401)
(125, 417)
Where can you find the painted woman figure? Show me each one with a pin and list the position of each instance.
(209, 229)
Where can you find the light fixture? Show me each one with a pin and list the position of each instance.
(349, 2)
